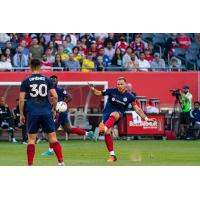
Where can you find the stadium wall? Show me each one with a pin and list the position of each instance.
(151, 84)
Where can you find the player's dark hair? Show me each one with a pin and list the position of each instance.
(35, 64)
(122, 78)
(196, 102)
(54, 77)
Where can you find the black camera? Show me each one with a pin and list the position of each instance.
(175, 93)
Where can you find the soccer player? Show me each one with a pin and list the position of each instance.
(39, 110)
(62, 118)
(117, 103)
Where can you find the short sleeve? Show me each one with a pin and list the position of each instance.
(107, 92)
(23, 86)
(132, 98)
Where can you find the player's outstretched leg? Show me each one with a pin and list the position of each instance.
(106, 129)
(31, 148)
(56, 147)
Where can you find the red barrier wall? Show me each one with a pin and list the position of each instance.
(150, 84)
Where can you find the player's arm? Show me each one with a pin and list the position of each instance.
(139, 111)
(94, 90)
(55, 98)
(21, 106)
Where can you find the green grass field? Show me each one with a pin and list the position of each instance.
(89, 153)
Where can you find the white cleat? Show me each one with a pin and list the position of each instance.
(14, 140)
(61, 164)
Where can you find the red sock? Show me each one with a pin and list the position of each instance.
(58, 151)
(109, 142)
(78, 131)
(50, 145)
(30, 153)
(110, 122)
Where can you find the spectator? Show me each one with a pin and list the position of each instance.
(127, 56)
(99, 65)
(197, 38)
(175, 64)
(36, 51)
(27, 39)
(9, 46)
(45, 64)
(72, 64)
(20, 60)
(94, 50)
(170, 46)
(144, 65)
(89, 38)
(148, 56)
(58, 63)
(99, 42)
(6, 119)
(8, 54)
(4, 64)
(47, 38)
(4, 37)
(42, 42)
(64, 55)
(57, 39)
(137, 45)
(183, 41)
(88, 64)
(105, 58)
(68, 40)
(101, 36)
(73, 39)
(121, 44)
(158, 64)
(117, 58)
(111, 39)
(53, 47)
(109, 50)
(50, 57)
(81, 43)
(23, 44)
(133, 64)
(77, 56)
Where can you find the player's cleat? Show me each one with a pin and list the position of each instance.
(24, 143)
(102, 128)
(90, 134)
(48, 153)
(14, 140)
(112, 159)
(61, 164)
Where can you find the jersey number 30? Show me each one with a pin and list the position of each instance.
(38, 90)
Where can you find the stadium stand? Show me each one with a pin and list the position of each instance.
(185, 47)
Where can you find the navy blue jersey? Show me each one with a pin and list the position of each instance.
(62, 93)
(37, 88)
(117, 101)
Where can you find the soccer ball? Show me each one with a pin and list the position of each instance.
(61, 106)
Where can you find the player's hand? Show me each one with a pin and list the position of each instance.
(149, 119)
(22, 119)
(91, 86)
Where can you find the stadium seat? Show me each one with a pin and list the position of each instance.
(159, 41)
(179, 52)
(147, 36)
(198, 64)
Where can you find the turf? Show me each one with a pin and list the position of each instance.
(89, 153)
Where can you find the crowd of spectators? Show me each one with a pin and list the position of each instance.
(88, 52)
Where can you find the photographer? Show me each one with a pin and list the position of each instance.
(18, 124)
(186, 105)
(6, 119)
